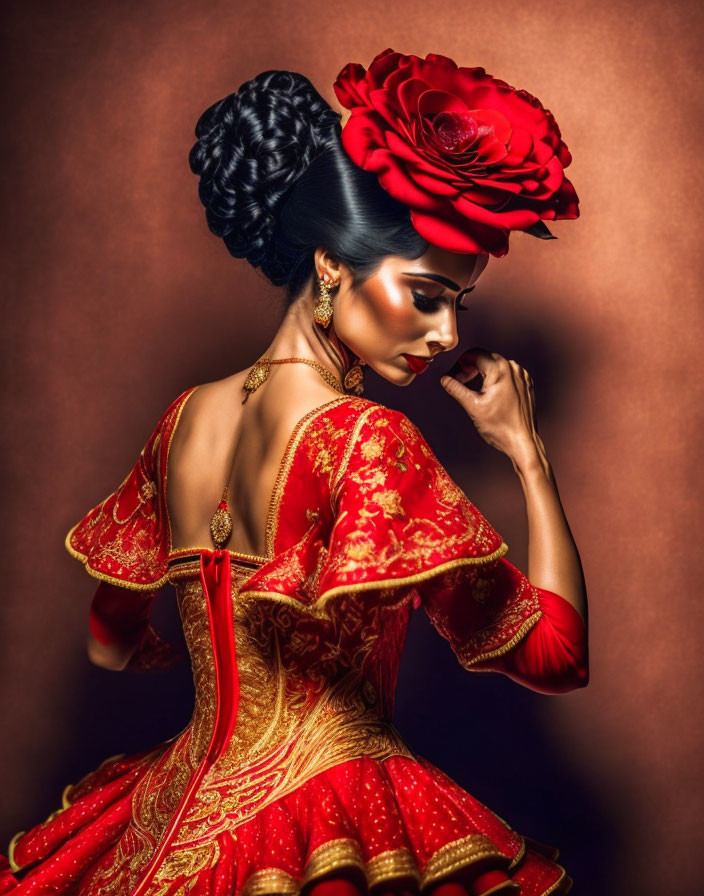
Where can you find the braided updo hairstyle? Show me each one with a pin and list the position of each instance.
(277, 183)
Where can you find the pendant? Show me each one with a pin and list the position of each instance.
(256, 376)
(221, 523)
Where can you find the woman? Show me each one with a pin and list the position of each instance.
(300, 523)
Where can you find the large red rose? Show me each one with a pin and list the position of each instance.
(471, 156)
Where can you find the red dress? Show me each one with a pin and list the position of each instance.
(290, 777)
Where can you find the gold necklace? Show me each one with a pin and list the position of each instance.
(260, 371)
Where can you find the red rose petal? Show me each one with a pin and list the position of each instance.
(440, 62)
(413, 123)
(433, 184)
(382, 64)
(553, 177)
(394, 178)
(564, 155)
(412, 154)
(433, 101)
(568, 206)
(408, 94)
(507, 185)
(519, 148)
(407, 70)
(491, 152)
(456, 234)
(517, 219)
(387, 106)
(360, 135)
(345, 85)
(501, 125)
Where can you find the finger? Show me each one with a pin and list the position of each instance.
(480, 358)
(468, 398)
(465, 371)
(496, 369)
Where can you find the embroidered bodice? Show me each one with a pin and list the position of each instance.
(295, 656)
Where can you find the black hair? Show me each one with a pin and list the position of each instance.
(277, 183)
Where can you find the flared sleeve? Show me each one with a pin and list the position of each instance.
(124, 543)
(402, 522)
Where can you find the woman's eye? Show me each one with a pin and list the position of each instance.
(425, 303)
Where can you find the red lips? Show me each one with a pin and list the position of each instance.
(417, 365)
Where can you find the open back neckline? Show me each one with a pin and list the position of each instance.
(284, 466)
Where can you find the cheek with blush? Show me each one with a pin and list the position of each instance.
(378, 322)
(388, 320)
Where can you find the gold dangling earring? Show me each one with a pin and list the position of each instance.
(354, 379)
(322, 313)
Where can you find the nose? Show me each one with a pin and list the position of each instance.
(443, 337)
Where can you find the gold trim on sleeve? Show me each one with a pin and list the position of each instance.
(504, 648)
(103, 577)
(316, 608)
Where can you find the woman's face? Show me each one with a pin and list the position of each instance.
(408, 308)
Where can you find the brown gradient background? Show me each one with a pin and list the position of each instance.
(117, 298)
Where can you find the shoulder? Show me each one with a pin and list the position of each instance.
(381, 426)
(355, 415)
(372, 440)
(352, 420)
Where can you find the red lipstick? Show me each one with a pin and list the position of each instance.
(417, 365)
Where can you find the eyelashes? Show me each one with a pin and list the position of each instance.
(427, 305)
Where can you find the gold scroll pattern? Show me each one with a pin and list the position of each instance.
(306, 704)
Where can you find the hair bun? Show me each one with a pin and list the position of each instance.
(252, 145)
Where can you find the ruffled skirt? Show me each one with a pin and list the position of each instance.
(396, 826)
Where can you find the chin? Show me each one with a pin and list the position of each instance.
(399, 377)
(392, 373)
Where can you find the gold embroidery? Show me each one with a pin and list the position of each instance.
(272, 521)
(468, 661)
(384, 868)
(149, 558)
(302, 709)
(187, 862)
(391, 503)
(256, 559)
(316, 678)
(339, 477)
(270, 880)
(459, 854)
(318, 608)
(371, 450)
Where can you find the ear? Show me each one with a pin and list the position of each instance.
(325, 263)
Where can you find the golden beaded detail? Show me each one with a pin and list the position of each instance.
(322, 313)
(260, 371)
(221, 523)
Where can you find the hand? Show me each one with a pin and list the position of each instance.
(502, 407)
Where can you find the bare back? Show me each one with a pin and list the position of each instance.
(220, 441)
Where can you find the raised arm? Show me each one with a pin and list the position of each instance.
(553, 656)
(503, 411)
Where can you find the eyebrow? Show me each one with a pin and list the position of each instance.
(439, 279)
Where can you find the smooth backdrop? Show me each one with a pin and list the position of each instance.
(116, 298)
